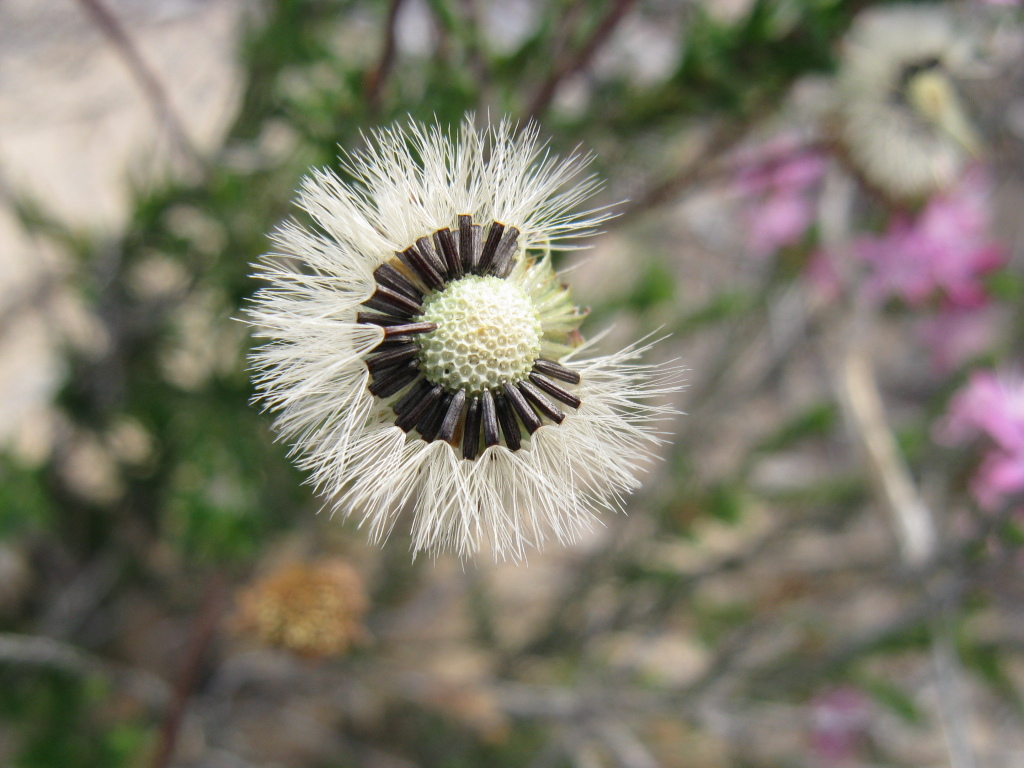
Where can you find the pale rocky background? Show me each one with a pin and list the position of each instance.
(77, 136)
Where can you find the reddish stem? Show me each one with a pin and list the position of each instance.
(581, 59)
(204, 630)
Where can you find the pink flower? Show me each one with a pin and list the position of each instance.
(778, 221)
(839, 722)
(945, 249)
(955, 335)
(991, 405)
(778, 181)
(999, 477)
(823, 274)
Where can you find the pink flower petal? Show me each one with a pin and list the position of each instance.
(778, 221)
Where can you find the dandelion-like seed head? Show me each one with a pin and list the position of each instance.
(902, 121)
(423, 353)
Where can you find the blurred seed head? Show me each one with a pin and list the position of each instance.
(902, 121)
(314, 610)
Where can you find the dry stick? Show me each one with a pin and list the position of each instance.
(858, 392)
(627, 748)
(915, 528)
(521, 699)
(560, 42)
(582, 58)
(857, 389)
(477, 62)
(79, 599)
(788, 678)
(706, 166)
(863, 404)
(709, 165)
(37, 651)
(152, 88)
(203, 633)
(375, 79)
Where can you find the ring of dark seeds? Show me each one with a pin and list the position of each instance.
(433, 411)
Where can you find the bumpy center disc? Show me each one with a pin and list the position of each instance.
(488, 333)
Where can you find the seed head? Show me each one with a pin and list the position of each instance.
(313, 610)
(422, 354)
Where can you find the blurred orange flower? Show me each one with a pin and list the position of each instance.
(314, 610)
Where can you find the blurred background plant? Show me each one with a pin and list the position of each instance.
(824, 570)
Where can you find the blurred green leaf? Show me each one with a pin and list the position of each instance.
(893, 698)
(816, 421)
(655, 286)
(726, 502)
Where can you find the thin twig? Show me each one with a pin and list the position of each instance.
(36, 651)
(914, 522)
(46, 652)
(710, 165)
(152, 87)
(73, 605)
(781, 680)
(203, 633)
(623, 744)
(376, 78)
(474, 53)
(950, 699)
(575, 63)
(705, 166)
(562, 35)
(915, 526)
(857, 388)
